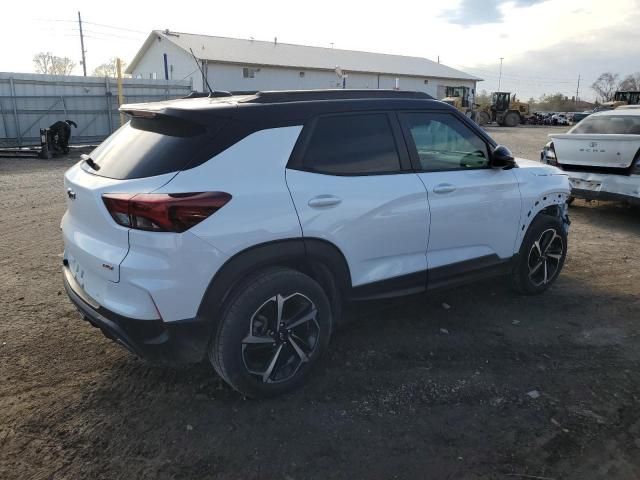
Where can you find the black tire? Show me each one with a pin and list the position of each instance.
(483, 118)
(512, 119)
(249, 337)
(538, 267)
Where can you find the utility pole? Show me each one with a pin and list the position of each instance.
(120, 94)
(578, 90)
(500, 77)
(84, 61)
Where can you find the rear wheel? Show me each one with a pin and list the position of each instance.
(511, 119)
(483, 118)
(541, 257)
(272, 333)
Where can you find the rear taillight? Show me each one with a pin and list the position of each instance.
(549, 155)
(163, 212)
(635, 165)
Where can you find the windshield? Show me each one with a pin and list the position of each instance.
(146, 147)
(609, 124)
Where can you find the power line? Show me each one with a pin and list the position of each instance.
(496, 74)
(108, 35)
(116, 28)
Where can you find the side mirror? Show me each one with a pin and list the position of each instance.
(501, 157)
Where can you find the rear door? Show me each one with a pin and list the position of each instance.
(475, 209)
(351, 186)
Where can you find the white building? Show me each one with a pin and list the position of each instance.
(250, 65)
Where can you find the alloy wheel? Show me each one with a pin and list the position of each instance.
(544, 258)
(283, 335)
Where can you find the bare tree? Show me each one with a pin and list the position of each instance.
(631, 83)
(557, 102)
(42, 62)
(606, 85)
(46, 62)
(108, 69)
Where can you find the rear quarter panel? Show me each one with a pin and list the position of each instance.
(253, 172)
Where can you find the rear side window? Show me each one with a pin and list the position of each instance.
(145, 147)
(609, 124)
(352, 145)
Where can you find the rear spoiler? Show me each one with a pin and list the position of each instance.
(197, 110)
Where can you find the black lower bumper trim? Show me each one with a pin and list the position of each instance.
(592, 195)
(183, 341)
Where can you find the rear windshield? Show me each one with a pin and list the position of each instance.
(145, 147)
(609, 124)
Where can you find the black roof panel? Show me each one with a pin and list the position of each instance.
(287, 106)
(284, 96)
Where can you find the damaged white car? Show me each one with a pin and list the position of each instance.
(601, 154)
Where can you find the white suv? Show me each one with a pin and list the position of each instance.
(236, 227)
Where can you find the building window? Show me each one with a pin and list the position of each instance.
(248, 72)
(426, 81)
(301, 74)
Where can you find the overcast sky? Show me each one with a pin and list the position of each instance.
(546, 44)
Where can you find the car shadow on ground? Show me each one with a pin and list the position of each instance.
(479, 377)
(615, 215)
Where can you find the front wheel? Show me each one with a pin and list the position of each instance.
(272, 333)
(483, 118)
(512, 119)
(541, 257)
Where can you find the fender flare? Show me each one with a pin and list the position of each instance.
(319, 259)
(552, 203)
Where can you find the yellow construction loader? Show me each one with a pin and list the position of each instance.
(623, 98)
(458, 97)
(505, 110)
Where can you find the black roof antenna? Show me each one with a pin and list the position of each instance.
(206, 80)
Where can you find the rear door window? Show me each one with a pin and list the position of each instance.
(352, 145)
(145, 147)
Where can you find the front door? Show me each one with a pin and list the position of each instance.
(475, 209)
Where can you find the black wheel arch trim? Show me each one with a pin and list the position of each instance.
(318, 258)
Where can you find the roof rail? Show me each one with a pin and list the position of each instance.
(283, 96)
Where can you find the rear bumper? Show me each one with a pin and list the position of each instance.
(594, 195)
(183, 341)
(601, 186)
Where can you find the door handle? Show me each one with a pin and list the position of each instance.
(324, 201)
(444, 188)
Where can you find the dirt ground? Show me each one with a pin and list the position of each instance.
(489, 386)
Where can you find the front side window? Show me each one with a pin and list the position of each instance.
(443, 142)
(352, 145)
